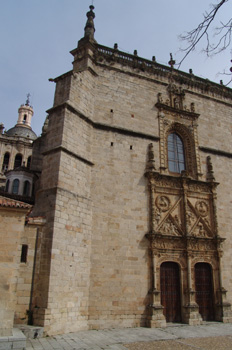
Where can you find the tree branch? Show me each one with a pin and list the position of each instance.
(202, 30)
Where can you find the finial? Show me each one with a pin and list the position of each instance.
(151, 158)
(172, 61)
(89, 27)
(210, 172)
(28, 100)
(1, 128)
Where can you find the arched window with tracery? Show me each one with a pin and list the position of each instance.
(15, 186)
(176, 157)
(18, 160)
(5, 163)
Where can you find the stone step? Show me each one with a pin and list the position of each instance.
(31, 332)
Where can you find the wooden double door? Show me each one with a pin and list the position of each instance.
(171, 291)
(204, 291)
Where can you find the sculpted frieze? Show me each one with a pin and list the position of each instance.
(168, 244)
(167, 182)
(200, 188)
(201, 245)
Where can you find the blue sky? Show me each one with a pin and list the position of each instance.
(37, 35)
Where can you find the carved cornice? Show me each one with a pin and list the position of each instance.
(170, 181)
(103, 53)
(173, 110)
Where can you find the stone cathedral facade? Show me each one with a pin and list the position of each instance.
(135, 194)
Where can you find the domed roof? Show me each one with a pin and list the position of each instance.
(21, 131)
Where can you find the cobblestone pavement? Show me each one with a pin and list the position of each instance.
(210, 336)
(217, 343)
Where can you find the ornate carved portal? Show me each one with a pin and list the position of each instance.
(175, 116)
(184, 232)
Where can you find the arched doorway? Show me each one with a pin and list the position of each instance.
(170, 291)
(204, 291)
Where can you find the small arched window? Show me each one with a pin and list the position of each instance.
(5, 163)
(15, 187)
(26, 188)
(176, 159)
(29, 162)
(18, 160)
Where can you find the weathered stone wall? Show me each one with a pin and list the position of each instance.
(62, 287)
(95, 265)
(25, 275)
(120, 266)
(11, 230)
(120, 274)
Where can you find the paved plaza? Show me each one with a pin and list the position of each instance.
(209, 336)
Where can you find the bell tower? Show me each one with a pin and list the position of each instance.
(25, 113)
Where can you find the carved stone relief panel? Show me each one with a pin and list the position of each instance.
(199, 218)
(167, 215)
(183, 229)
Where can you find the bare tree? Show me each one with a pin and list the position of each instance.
(215, 43)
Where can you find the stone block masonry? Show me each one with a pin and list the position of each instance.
(97, 267)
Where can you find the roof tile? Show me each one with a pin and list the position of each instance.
(11, 203)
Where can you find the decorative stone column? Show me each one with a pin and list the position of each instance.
(191, 310)
(156, 318)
